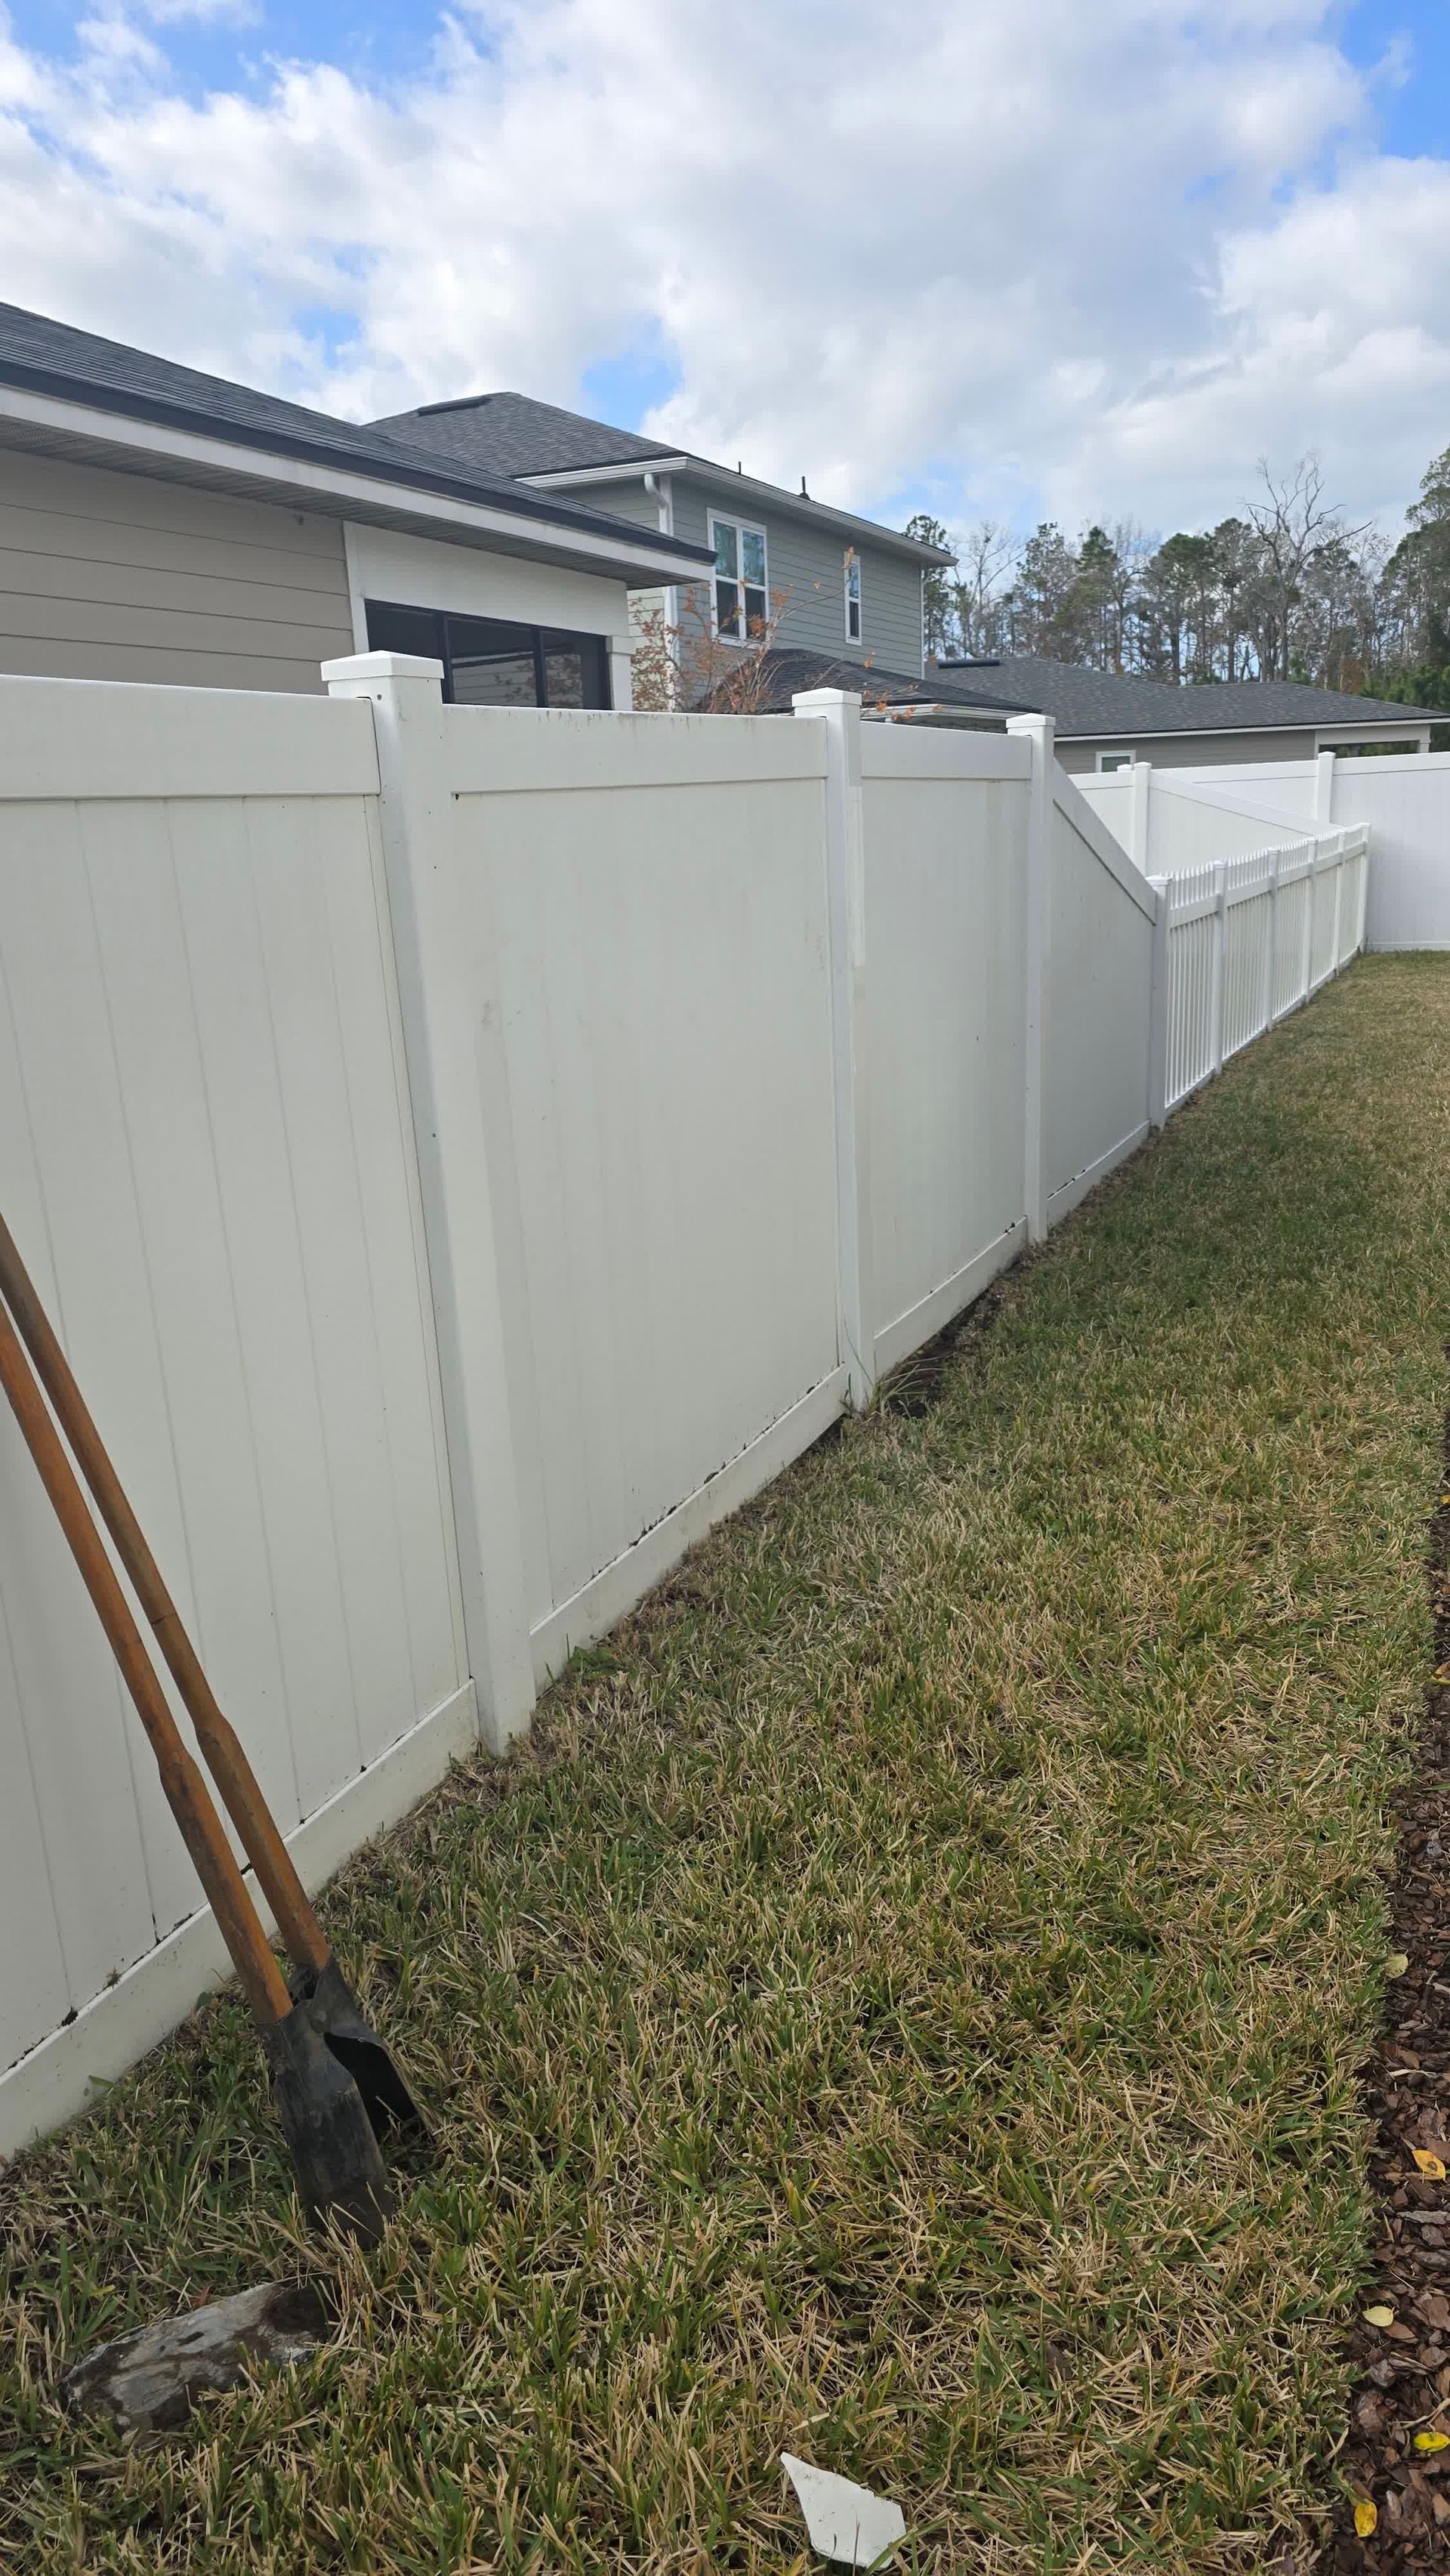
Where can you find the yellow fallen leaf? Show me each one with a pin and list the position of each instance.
(1429, 2165)
(1379, 2316)
(1398, 1962)
(1432, 2441)
(1365, 2516)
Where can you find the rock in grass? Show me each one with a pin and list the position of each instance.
(149, 2380)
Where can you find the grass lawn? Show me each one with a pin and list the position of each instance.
(906, 2003)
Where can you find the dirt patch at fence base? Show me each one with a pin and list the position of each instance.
(1397, 2458)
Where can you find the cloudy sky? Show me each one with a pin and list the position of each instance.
(1006, 257)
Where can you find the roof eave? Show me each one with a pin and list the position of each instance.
(773, 495)
(87, 416)
(627, 471)
(1405, 720)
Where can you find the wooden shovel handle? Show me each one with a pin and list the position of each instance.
(302, 1934)
(184, 1786)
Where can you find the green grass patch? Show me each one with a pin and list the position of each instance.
(906, 2003)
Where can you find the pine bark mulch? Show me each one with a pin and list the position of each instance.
(1400, 2413)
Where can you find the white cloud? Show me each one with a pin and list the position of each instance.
(1330, 327)
(1006, 255)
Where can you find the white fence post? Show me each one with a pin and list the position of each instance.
(1158, 1010)
(1038, 731)
(1140, 814)
(1271, 948)
(438, 1015)
(840, 712)
(1220, 943)
(1324, 767)
(1306, 945)
(1338, 906)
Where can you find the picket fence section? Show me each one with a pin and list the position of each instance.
(1247, 940)
(1171, 819)
(468, 1151)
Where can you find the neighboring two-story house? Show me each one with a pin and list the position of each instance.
(818, 578)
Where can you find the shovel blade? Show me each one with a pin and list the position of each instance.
(355, 2044)
(340, 2171)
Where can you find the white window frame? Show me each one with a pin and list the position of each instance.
(851, 563)
(743, 528)
(1111, 763)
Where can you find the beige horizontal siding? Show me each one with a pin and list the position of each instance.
(39, 657)
(152, 586)
(126, 576)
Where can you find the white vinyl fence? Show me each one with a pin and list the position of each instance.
(1248, 940)
(1172, 819)
(466, 1152)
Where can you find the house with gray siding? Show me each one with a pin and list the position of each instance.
(820, 578)
(159, 524)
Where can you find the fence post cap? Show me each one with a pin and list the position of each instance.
(354, 667)
(806, 702)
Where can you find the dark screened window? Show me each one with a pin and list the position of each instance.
(491, 662)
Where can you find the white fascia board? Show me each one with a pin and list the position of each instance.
(339, 489)
(1125, 733)
(558, 475)
(762, 496)
(1408, 729)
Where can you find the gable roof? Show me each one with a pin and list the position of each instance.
(1091, 703)
(44, 357)
(537, 443)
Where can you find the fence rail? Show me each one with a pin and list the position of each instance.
(1245, 940)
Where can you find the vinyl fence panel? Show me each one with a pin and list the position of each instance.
(1405, 803)
(945, 833)
(647, 903)
(1098, 1002)
(206, 1158)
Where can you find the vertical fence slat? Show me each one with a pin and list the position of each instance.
(846, 898)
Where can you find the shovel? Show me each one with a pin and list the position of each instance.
(336, 2088)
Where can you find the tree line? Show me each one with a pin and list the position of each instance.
(1286, 590)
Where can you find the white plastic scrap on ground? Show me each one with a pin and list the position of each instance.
(845, 2522)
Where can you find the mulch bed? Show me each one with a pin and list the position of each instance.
(1404, 2387)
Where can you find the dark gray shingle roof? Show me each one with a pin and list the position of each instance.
(787, 668)
(1101, 702)
(511, 434)
(49, 357)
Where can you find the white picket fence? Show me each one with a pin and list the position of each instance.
(1248, 939)
(466, 1152)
